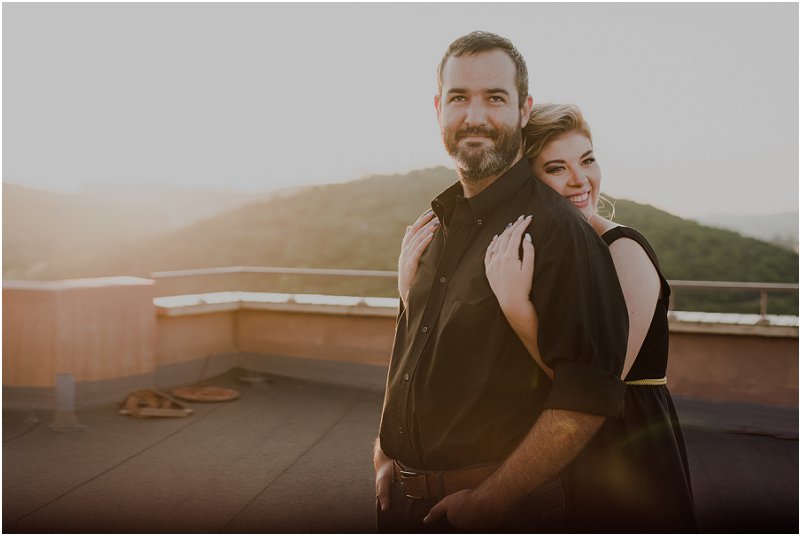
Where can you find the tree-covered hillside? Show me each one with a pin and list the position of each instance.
(360, 224)
(690, 251)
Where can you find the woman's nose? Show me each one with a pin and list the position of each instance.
(577, 178)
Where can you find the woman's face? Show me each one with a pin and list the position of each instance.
(567, 165)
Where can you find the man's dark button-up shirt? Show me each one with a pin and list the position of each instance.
(462, 389)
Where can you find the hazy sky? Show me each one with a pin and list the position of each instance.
(694, 107)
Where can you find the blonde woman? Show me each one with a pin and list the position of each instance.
(633, 475)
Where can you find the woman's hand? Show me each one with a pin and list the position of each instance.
(415, 242)
(509, 277)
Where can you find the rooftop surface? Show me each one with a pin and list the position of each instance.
(292, 455)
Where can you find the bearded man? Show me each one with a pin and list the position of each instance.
(473, 434)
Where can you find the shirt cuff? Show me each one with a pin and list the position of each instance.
(586, 389)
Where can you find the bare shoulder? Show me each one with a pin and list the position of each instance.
(634, 267)
(629, 252)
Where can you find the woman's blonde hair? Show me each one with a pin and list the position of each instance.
(549, 121)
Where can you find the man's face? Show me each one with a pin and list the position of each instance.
(479, 114)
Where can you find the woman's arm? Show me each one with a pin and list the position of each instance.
(415, 241)
(510, 279)
(639, 281)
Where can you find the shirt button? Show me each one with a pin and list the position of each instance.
(480, 222)
(442, 279)
(406, 377)
(400, 430)
(425, 329)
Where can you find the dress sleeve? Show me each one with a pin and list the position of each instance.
(583, 327)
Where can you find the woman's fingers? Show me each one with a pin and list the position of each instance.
(528, 255)
(424, 218)
(422, 245)
(425, 232)
(488, 256)
(515, 236)
(421, 221)
(503, 240)
(413, 238)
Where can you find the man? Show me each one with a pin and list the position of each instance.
(472, 432)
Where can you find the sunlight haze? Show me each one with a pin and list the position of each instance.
(694, 107)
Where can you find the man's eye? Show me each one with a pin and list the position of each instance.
(458, 98)
(496, 98)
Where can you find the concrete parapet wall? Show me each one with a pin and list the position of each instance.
(103, 331)
(747, 368)
(185, 338)
(355, 338)
(93, 329)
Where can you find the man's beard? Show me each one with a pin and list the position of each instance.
(476, 164)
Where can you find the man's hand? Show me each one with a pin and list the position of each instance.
(383, 476)
(465, 510)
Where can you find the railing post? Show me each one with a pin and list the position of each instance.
(763, 306)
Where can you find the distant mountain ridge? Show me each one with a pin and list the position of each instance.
(41, 227)
(359, 225)
(781, 228)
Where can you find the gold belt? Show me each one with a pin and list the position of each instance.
(648, 381)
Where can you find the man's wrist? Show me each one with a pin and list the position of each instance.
(379, 458)
(492, 505)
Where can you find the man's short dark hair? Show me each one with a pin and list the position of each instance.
(476, 42)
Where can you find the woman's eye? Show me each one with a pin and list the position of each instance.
(588, 161)
(555, 169)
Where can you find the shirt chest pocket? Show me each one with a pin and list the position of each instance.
(473, 341)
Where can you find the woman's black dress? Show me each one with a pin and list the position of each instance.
(633, 475)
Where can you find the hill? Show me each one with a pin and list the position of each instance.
(42, 228)
(780, 228)
(359, 225)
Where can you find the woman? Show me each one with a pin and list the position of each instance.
(633, 475)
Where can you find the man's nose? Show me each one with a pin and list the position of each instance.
(476, 113)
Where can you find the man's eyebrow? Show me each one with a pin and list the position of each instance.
(559, 161)
(492, 91)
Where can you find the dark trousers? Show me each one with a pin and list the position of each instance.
(541, 511)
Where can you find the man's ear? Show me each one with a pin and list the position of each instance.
(437, 100)
(525, 111)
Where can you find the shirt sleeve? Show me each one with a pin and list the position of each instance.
(583, 322)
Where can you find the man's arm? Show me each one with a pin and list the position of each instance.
(554, 440)
(586, 351)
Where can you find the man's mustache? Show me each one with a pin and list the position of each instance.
(476, 131)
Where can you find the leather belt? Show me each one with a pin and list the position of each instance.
(437, 484)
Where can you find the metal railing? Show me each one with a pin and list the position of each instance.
(763, 288)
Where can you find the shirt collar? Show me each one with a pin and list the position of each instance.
(490, 198)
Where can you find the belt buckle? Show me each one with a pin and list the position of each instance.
(409, 476)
